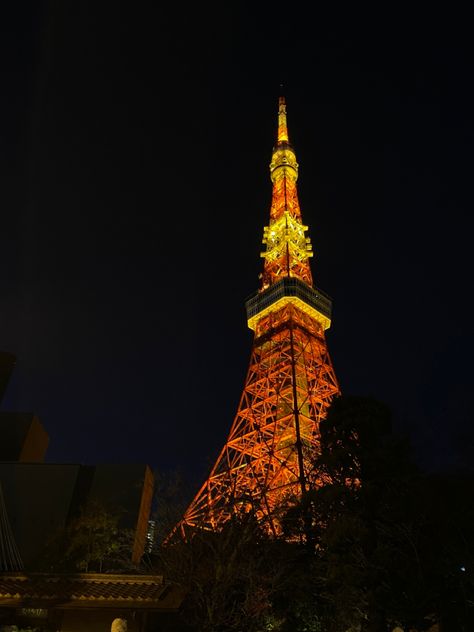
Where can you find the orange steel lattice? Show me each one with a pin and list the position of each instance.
(269, 453)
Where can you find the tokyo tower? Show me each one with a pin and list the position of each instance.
(268, 456)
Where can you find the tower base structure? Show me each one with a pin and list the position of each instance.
(268, 458)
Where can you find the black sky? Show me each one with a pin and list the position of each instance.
(134, 147)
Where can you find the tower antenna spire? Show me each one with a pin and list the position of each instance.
(282, 124)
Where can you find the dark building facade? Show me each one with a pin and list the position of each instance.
(23, 438)
(92, 602)
(37, 501)
(7, 364)
(39, 498)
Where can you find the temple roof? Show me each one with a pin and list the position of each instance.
(89, 590)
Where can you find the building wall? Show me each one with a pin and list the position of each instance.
(23, 438)
(7, 364)
(141, 530)
(38, 500)
(128, 487)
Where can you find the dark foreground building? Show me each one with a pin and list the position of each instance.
(42, 498)
(92, 602)
(7, 364)
(37, 501)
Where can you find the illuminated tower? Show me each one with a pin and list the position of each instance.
(269, 453)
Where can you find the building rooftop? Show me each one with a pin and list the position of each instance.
(88, 590)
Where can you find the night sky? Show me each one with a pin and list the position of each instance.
(134, 184)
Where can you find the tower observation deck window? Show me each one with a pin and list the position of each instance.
(289, 287)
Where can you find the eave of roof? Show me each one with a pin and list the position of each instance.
(88, 590)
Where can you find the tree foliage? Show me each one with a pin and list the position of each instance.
(96, 541)
(389, 545)
(93, 541)
(374, 544)
(239, 578)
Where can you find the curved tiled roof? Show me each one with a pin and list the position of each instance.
(87, 587)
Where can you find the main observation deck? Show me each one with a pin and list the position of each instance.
(312, 301)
